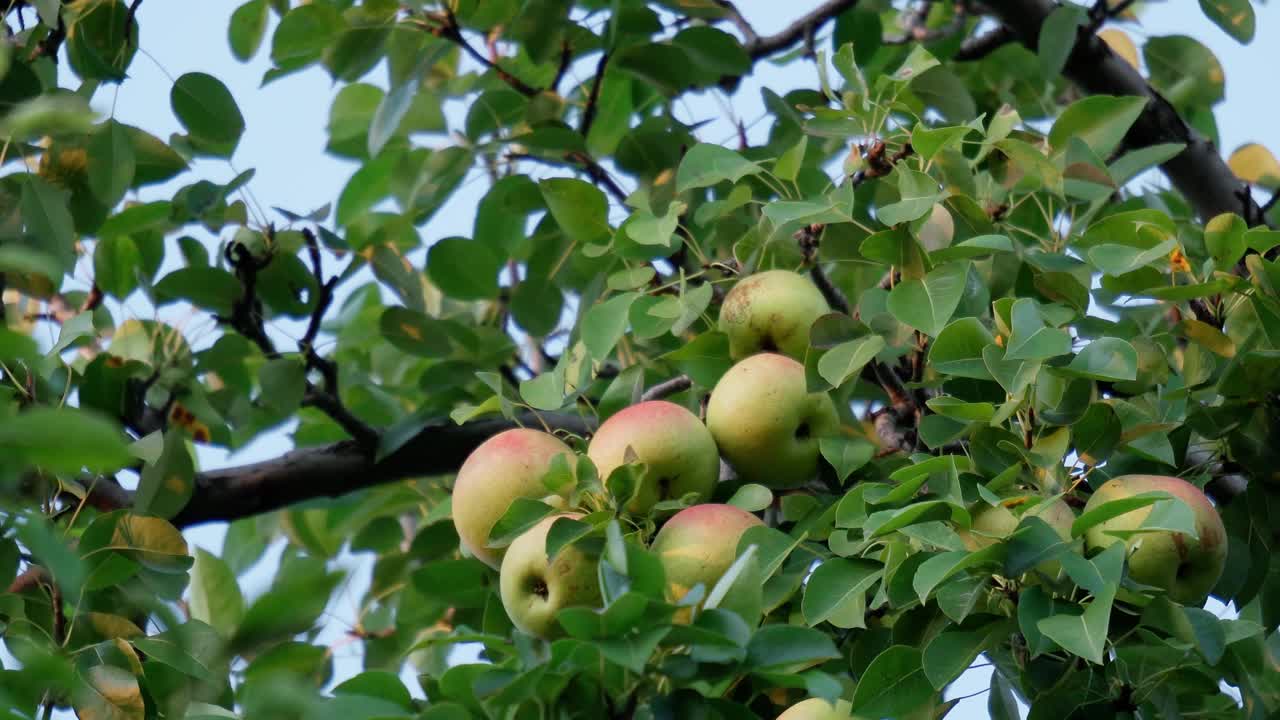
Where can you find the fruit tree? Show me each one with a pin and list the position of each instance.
(956, 356)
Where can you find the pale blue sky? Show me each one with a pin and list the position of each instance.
(285, 138)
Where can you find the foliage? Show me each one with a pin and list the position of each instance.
(1018, 314)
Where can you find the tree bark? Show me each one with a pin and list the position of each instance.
(1198, 172)
(341, 468)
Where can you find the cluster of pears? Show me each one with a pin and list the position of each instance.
(760, 418)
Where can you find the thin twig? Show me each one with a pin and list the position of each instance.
(677, 384)
(593, 98)
(732, 14)
(584, 163)
(327, 399)
(129, 19)
(566, 57)
(449, 29)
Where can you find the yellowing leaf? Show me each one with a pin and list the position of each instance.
(1121, 44)
(1255, 164)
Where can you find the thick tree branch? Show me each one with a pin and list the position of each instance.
(344, 467)
(1198, 172)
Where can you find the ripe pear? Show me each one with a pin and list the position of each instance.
(507, 466)
(533, 590)
(1185, 567)
(814, 709)
(678, 451)
(771, 311)
(698, 544)
(992, 524)
(766, 422)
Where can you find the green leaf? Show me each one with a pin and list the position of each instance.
(1099, 120)
(917, 193)
(1224, 236)
(1097, 434)
(787, 165)
(1030, 338)
(704, 360)
(918, 61)
(580, 208)
(1106, 358)
(545, 391)
(167, 483)
(952, 652)
(464, 269)
(927, 304)
(247, 28)
(957, 350)
(24, 260)
(938, 568)
(893, 684)
(111, 163)
(603, 324)
(788, 648)
(39, 436)
(740, 589)
(208, 288)
(283, 382)
(886, 521)
(847, 359)
(707, 164)
(45, 212)
(1116, 508)
(214, 595)
(958, 409)
(522, 514)
(414, 332)
(1086, 634)
(116, 262)
(751, 497)
(206, 108)
(648, 229)
(1235, 17)
(1058, 37)
(1001, 702)
(367, 187)
(846, 455)
(834, 586)
(1120, 259)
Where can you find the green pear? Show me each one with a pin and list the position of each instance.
(766, 422)
(507, 466)
(698, 544)
(815, 709)
(534, 590)
(1185, 567)
(992, 524)
(677, 449)
(771, 311)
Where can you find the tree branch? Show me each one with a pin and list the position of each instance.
(447, 27)
(1198, 172)
(677, 384)
(333, 470)
(759, 47)
(593, 99)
